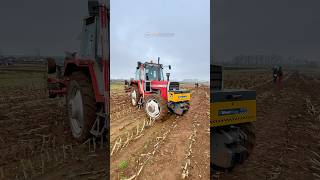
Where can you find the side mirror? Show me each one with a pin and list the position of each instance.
(139, 64)
(169, 67)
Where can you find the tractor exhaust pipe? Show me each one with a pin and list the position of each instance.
(168, 76)
(158, 60)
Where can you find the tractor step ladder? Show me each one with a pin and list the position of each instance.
(100, 124)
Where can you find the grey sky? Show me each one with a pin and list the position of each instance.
(185, 44)
(52, 27)
(284, 27)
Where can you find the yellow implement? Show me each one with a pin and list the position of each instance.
(232, 112)
(232, 107)
(179, 96)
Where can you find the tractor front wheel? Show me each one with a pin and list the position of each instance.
(156, 107)
(81, 106)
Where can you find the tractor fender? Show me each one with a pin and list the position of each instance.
(133, 83)
(71, 66)
(85, 66)
(139, 85)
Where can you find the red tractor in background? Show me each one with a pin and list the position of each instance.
(158, 96)
(84, 80)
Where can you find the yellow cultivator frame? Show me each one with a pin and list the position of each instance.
(233, 112)
(232, 107)
(179, 96)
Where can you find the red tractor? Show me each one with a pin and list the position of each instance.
(84, 80)
(150, 90)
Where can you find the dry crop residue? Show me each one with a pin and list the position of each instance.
(35, 139)
(174, 149)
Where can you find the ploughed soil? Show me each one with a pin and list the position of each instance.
(35, 139)
(175, 148)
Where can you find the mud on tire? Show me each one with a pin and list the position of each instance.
(81, 106)
(162, 105)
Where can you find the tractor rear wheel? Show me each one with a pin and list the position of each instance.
(156, 107)
(81, 106)
(135, 95)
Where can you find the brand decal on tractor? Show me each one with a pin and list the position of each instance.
(182, 97)
(159, 86)
(224, 112)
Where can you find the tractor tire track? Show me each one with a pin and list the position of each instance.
(175, 153)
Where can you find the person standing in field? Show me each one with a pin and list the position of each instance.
(280, 75)
(275, 74)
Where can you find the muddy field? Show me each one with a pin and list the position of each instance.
(176, 148)
(287, 127)
(35, 141)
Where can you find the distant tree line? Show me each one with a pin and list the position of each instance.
(258, 61)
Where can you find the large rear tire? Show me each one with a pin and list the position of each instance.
(135, 95)
(81, 106)
(156, 107)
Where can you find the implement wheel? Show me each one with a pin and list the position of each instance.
(81, 106)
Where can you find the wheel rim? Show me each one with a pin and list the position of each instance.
(134, 97)
(76, 114)
(153, 108)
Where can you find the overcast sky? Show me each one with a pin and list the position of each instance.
(51, 27)
(284, 27)
(48, 26)
(183, 40)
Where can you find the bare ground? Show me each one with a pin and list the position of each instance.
(177, 147)
(35, 140)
